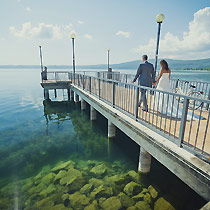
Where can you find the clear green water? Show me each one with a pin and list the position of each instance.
(36, 136)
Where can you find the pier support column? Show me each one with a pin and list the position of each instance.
(76, 97)
(111, 129)
(92, 113)
(83, 104)
(46, 94)
(144, 161)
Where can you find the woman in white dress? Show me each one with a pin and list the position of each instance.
(165, 103)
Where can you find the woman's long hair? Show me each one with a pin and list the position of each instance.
(164, 65)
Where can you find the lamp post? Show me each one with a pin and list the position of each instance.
(73, 36)
(108, 50)
(159, 20)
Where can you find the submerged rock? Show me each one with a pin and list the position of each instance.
(51, 188)
(143, 205)
(112, 203)
(152, 192)
(63, 166)
(47, 179)
(101, 191)
(162, 204)
(134, 176)
(96, 182)
(78, 201)
(132, 188)
(147, 198)
(138, 197)
(87, 189)
(92, 206)
(125, 200)
(99, 170)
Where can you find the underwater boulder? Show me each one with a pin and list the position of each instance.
(60, 175)
(101, 191)
(152, 192)
(63, 166)
(92, 206)
(47, 179)
(143, 205)
(138, 197)
(162, 204)
(99, 170)
(112, 203)
(132, 188)
(147, 198)
(86, 189)
(51, 188)
(125, 200)
(79, 201)
(132, 208)
(134, 176)
(60, 207)
(96, 182)
(46, 204)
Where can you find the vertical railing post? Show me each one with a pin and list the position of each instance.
(99, 88)
(137, 103)
(126, 78)
(90, 84)
(83, 81)
(183, 121)
(55, 76)
(113, 93)
(207, 105)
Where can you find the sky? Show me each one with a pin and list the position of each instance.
(128, 28)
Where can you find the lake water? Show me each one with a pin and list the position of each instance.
(36, 136)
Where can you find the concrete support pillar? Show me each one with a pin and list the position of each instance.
(46, 94)
(83, 104)
(111, 129)
(144, 161)
(76, 97)
(92, 113)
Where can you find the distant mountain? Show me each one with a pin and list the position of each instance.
(174, 64)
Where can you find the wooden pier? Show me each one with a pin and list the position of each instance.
(181, 145)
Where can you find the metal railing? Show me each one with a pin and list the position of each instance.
(168, 113)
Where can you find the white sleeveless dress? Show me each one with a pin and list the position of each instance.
(165, 104)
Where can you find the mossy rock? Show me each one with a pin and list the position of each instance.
(63, 166)
(143, 205)
(99, 170)
(60, 207)
(112, 203)
(60, 175)
(69, 176)
(5, 204)
(132, 208)
(132, 188)
(138, 197)
(147, 198)
(144, 190)
(96, 182)
(134, 176)
(92, 206)
(27, 185)
(152, 192)
(86, 189)
(46, 204)
(48, 179)
(79, 201)
(125, 200)
(162, 204)
(101, 191)
(50, 189)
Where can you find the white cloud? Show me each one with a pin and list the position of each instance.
(88, 36)
(28, 9)
(123, 33)
(41, 31)
(79, 22)
(195, 42)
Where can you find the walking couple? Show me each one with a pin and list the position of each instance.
(162, 103)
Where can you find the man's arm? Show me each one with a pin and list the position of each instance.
(137, 73)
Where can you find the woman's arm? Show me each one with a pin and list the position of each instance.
(160, 75)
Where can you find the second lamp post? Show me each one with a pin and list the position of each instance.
(159, 20)
(73, 36)
(108, 50)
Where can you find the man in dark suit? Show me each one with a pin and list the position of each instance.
(146, 76)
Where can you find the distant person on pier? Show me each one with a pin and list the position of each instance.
(146, 76)
(44, 73)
